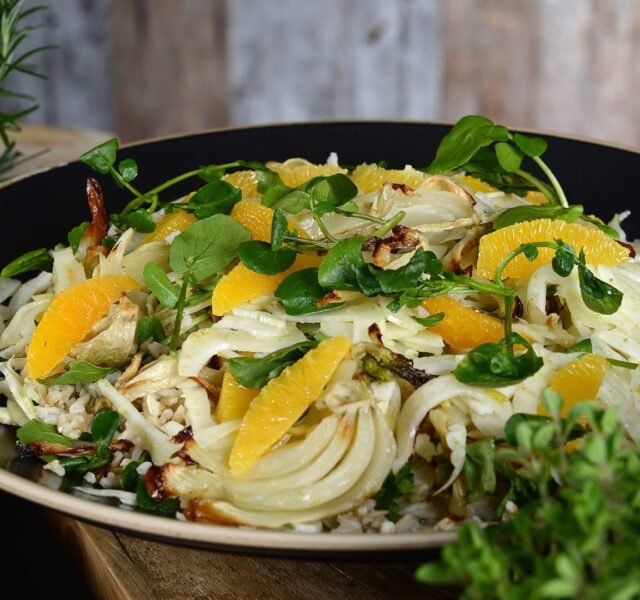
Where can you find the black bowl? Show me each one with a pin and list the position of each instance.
(39, 211)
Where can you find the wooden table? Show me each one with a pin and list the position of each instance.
(119, 566)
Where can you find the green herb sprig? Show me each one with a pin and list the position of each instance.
(574, 533)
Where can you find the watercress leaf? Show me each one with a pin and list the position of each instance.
(271, 186)
(292, 201)
(564, 259)
(140, 220)
(339, 268)
(509, 156)
(150, 327)
(213, 198)
(431, 320)
(279, 228)
(479, 468)
(158, 283)
(128, 169)
(300, 293)
(103, 427)
(34, 260)
(606, 229)
(35, 431)
(261, 258)
(207, 246)
(529, 145)
(335, 189)
(519, 214)
(598, 295)
(80, 371)
(394, 486)
(75, 235)
(393, 281)
(494, 364)
(102, 157)
(583, 346)
(516, 420)
(466, 137)
(530, 251)
(146, 502)
(256, 372)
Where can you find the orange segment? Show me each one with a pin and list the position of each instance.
(577, 381)
(178, 220)
(477, 185)
(241, 284)
(463, 327)
(255, 217)
(284, 400)
(247, 181)
(69, 319)
(296, 171)
(370, 178)
(536, 197)
(599, 248)
(234, 399)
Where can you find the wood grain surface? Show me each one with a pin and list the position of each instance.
(149, 67)
(116, 565)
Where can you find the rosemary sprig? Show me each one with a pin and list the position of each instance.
(13, 34)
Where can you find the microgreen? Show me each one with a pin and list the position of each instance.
(140, 220)
(519, 214)
(256, 372)
(431, 320)
(36, 431)
(34, 260)
(80, 371)
(75, 235)
(395, 485)
(216, 197)
(300, 293)
(477, 145)
(150, 327)
(157, 281)
(261, 258)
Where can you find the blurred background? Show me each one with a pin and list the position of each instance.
(143, 68)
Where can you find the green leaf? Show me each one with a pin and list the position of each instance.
(334, 190)
(552, 401)
(530, 251)
(601, 225)
(129, 476)
(80, 371)
(103, 427)
(520, 214)
(146, 502)
(583, 346)
(140, 220)
(34, 260)
(75, 235)
(300, 293)
(529, 145)
(494, 364)
(256, 372)
(261, 258)
(509, 157)
(466, 137)
(564, 259)
(37, 431)
(598, 295)
(431, 320)
(393, 281)
(279, 228)
(128, 169)
(292, 201)
(102, 157)
(393, 487)
(207, 246)
(214, 198)
(158, 283)
(479, 470)
(339, 268)
(150, 327)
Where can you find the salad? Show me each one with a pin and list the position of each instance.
(319, 347)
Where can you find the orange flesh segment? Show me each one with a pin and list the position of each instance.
(255, 217)
(246, 180)
(296, 171)
(370, 178)
(599, 249)
(283, 401)
(178, 220)
(477, 185)
(242, 285)
(577, 381)
(234, 399)
(69, 320)
(463, 327)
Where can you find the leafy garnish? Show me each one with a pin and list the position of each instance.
(261, 258)
(150, 327)
(80, 371)
(145, 502)
(34, 260)
(300, 293)
(158, 283)
(520, 214)
(35, 431)
(431, 320)
(255, 372)
(75, 235)
(395, 486)
(216, 197)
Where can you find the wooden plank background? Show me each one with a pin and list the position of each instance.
(152, 67)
